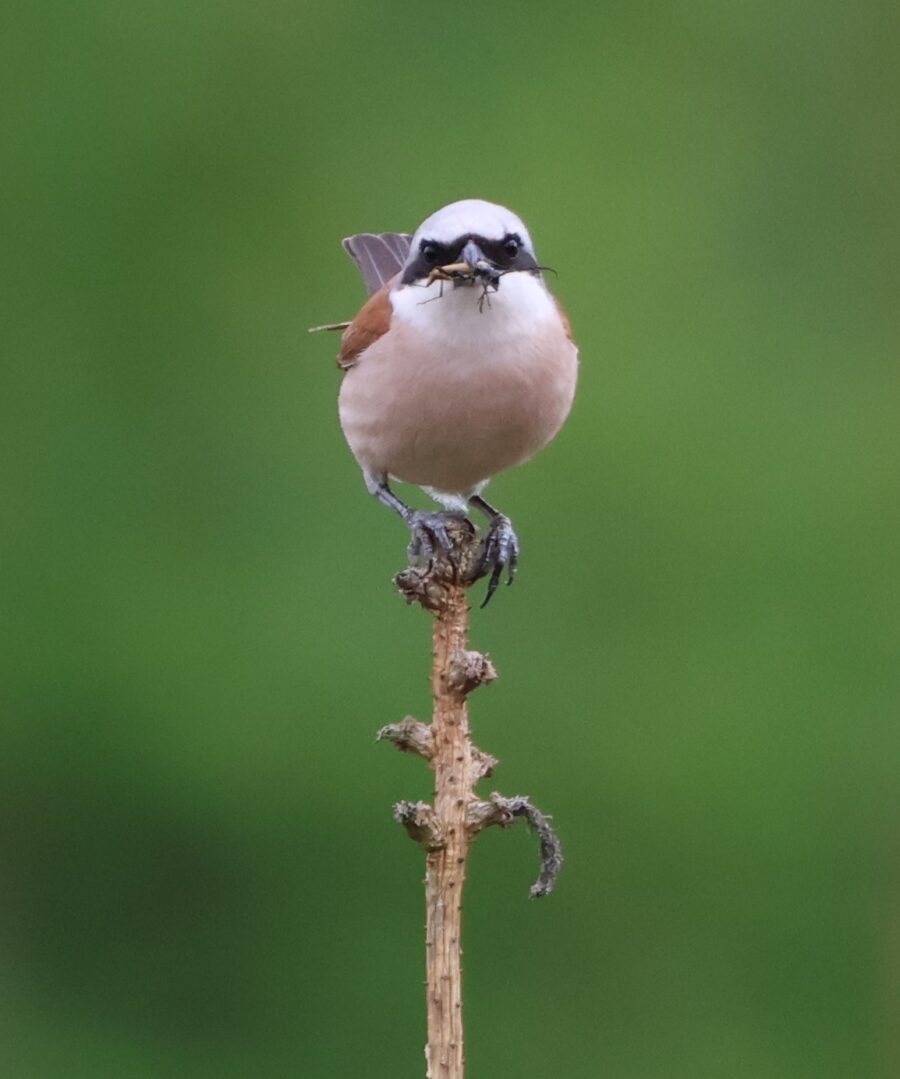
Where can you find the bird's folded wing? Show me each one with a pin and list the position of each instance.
(379, 256)
(372, 321)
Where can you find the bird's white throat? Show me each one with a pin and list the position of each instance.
(465, 314)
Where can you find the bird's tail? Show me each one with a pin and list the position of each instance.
(378, 255)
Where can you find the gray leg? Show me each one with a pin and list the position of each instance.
(428, 530)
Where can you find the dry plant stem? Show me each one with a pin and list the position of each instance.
(445, 830)
(455, 776)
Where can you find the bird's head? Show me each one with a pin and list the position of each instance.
(469, 241)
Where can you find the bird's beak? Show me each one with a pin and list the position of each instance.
(482, 267)
(472, 265)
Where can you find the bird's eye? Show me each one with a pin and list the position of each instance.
(511, 246)
(431, 252)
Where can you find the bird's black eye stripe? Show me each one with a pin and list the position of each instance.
(506, 254)
(430, 254)
(434, 254)
(503, 253)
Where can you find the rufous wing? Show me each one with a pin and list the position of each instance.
(372, 321)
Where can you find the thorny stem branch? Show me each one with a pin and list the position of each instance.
(446, 829)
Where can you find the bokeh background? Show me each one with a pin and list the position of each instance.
(699, 662)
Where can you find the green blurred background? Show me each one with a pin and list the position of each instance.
(699, 662)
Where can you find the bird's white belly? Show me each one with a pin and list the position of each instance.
(449, 418)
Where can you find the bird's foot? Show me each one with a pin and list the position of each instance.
(500, 551)
(429, 536)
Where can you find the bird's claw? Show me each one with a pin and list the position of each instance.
(428, 535)
(500, 551)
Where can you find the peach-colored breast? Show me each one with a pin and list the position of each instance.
(451, 417)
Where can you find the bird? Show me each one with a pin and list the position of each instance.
(460, 364)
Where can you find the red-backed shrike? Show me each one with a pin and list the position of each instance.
(461, 364)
